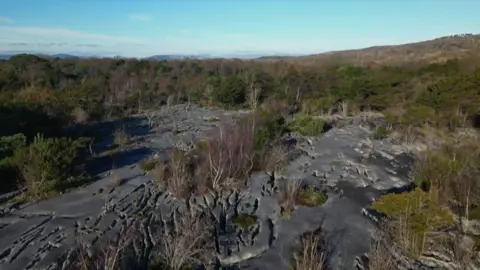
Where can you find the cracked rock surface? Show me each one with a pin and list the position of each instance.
(350, 167)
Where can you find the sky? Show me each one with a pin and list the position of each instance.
(142, 28)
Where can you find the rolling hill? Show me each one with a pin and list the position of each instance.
(436, 50)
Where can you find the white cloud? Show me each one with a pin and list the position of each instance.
(60, 33)
(5, 20)
(140, 17)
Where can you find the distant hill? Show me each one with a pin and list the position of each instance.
(178, 57)
(436, 50)
(65, 56)
(59, 55)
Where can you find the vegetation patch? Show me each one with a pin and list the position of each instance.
(414, 218)
(48, 166)
(244, 221)
(287, 196)
(380, 132)
(121, 137)
(148, 164)
(311, 197)
(313, 254)
(307, 125)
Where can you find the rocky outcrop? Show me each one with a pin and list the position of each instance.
(345, 163)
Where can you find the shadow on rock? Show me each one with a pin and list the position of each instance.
(117, 160)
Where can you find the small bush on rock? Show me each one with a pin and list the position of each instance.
(311, 197)
(244, 221)
(177, 174)
(307, 125)
(287, 196)
(148, 164)
(380, 132)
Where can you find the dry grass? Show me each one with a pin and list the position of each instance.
(344, 108)
(312, 255)
(185, 247)
(177, 174)
(121, 136)
(106, 256)
(451, 174)
(80, 115)
(224, 161)
(228, 157)
(379, 258)
(463, 248)
(288, 195)
(275, 159)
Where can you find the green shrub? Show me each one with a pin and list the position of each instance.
(380, 132)
(307, 125)
(268, 127)
(230, 92)
(414, 215)
(244, 221)
(311, 197)
(8, 145)
(46, 164)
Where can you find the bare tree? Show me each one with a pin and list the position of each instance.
(150, 117)
(229, 154)
(344, 108)
(253, 90)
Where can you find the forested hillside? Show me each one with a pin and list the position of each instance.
(437, 50)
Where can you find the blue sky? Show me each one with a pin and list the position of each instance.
(140, 28)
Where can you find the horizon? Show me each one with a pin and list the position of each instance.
(220, 28)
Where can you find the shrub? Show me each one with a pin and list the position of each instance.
(80, 115)
(121, 137)
(47, 163)
(311, 197)
(380, 132)
(267, 128)
(275, 159)
(287, 196)
(307, 125)
(450, 174)
(148, 164)
(228, 157)
(186, 247)
(8, 145)
(413, 216)
(244, 221)
(177, 174)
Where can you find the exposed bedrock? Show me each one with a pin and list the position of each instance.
(345, 163)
